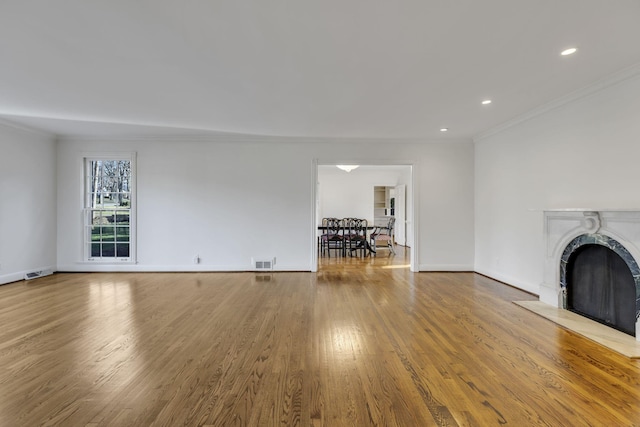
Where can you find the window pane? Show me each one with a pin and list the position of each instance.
(120, 200)
(95, 234)
(96, 174)
(95, 249)
(109, 250)
(122, 234)
(125, 200)
(93, 199)
(99, 202)
(95, 217)
(99, 217)
(95, 183)
(108, 234)
(108, 217)
(122, 250)
(123, 217)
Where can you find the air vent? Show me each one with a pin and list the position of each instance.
(36, 274)
(264, 264)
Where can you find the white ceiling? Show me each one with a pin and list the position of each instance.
(324, 68)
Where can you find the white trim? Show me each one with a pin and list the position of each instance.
(414, 265)
(25, 128)
(604, 83)
(99, 261)
(89, 267)
(446, 267)
(314, 217)
(197, 135)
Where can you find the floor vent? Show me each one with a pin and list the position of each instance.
(36, 274)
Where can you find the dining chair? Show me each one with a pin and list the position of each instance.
(355, 235)
(384, 234)
(331, 237)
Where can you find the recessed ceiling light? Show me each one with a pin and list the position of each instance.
(444, 129)
(568, 51)
(486, 102)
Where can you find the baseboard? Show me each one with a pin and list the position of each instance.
(87, 267)
(511, 281)
(10, 278)
(19, 275)
(97, 268)
(446, 267)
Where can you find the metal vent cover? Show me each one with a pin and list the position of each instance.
(264, 265)
(35, 274)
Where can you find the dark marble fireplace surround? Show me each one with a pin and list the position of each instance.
(591, 265)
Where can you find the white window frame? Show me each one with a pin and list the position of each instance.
(87, 209)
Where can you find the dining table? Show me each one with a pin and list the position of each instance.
(367, 245)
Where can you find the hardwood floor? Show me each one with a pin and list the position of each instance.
(362, 342)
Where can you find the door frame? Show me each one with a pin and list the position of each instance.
(401, 206)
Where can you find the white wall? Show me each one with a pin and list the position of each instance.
(350, 194)
(231, 201)
(27, 202)
(583, 154)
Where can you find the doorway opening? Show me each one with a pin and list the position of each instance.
(352, 194)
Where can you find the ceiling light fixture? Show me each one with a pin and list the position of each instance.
(444, 129)
(569, 51)
(486, 102)
(347, 168)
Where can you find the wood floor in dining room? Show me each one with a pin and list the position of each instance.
(362, 342)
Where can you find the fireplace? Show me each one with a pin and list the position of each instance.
(591, 265)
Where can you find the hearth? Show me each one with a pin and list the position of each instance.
(591, 267)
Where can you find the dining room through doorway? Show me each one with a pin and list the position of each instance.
(352, 194)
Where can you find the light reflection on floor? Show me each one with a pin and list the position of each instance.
(111, 314)
(405, 266)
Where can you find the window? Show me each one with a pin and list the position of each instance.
(109, 209)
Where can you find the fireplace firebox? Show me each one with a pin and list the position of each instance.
(600, 286)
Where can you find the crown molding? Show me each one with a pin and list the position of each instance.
(24, 128)
(246, 138)
(599, 85)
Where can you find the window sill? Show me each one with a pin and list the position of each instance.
(107, 262)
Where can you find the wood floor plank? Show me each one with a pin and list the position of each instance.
(362, 342)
